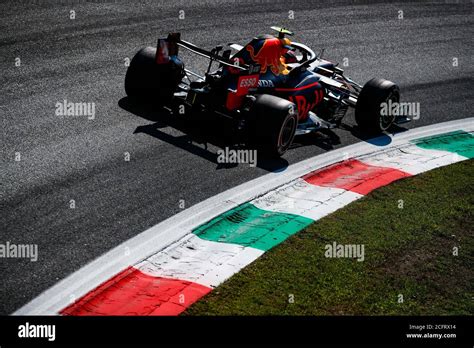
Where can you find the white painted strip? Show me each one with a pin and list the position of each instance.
(200, 261)
(412, 159)
(300, 198)
(156, 238)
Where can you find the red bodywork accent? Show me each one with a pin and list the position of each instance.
(162, 52)
(244, 84)
(304, 102)
(268, 56)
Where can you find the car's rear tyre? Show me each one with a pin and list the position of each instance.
(369, 103)
(274, 122)
(148, 80)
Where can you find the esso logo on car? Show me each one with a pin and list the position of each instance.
(249, 82)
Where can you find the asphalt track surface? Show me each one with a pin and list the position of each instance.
(82, 60)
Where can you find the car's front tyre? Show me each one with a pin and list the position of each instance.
(368, 111)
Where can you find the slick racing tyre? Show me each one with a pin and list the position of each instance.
(368, 108)
(145, 79)
(274, 122)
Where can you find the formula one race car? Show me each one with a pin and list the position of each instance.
(272, 88)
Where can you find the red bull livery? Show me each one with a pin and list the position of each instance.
(271, 88)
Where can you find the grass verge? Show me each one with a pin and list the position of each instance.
(409, 230)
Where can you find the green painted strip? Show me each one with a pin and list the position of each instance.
(459, 142)
(250, 226)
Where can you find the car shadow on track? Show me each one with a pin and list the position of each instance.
(377, 140)
(326, 139)
(197, 133)
(200, 131)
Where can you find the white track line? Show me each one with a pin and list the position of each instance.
(158, 237)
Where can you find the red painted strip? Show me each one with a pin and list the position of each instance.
(133, 292)
(296, 89)
(355, 176)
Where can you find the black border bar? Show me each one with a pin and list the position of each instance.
(346, 330)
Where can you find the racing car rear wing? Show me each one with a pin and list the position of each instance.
(169, 47)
